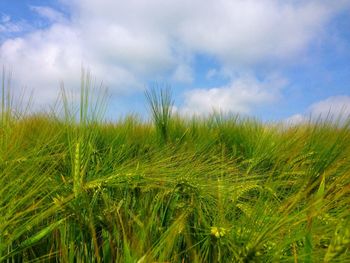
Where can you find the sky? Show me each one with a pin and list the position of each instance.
(276, 60)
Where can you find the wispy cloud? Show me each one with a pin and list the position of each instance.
(183, 73)
(8, 26)
(49, 13)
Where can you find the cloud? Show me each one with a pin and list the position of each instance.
(42, 59)
(251, 31)
(332, 108)
(128, 43)
(49, 13)
(241, 31)
(240, 96)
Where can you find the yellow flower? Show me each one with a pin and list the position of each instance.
(217, 231)
(214, 230)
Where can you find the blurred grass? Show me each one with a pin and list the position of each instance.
(215, 189)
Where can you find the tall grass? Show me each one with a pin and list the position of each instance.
(161, 106)
(216, 189)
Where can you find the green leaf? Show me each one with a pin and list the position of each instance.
(41, 234)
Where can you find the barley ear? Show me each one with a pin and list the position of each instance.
(77, 179)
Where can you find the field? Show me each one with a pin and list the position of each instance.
(76, 188)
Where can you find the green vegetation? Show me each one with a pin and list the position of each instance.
(219, 189)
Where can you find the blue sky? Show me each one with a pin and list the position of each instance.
(276, 60)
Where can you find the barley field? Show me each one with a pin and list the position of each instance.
(221, 188)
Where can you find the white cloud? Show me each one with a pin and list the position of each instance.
(42, 59)
(45, 57)
(49, 13)
(241, 31)
(127, 43)
(240, 96)
(332, 108)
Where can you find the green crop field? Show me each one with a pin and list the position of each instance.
(77, 188)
